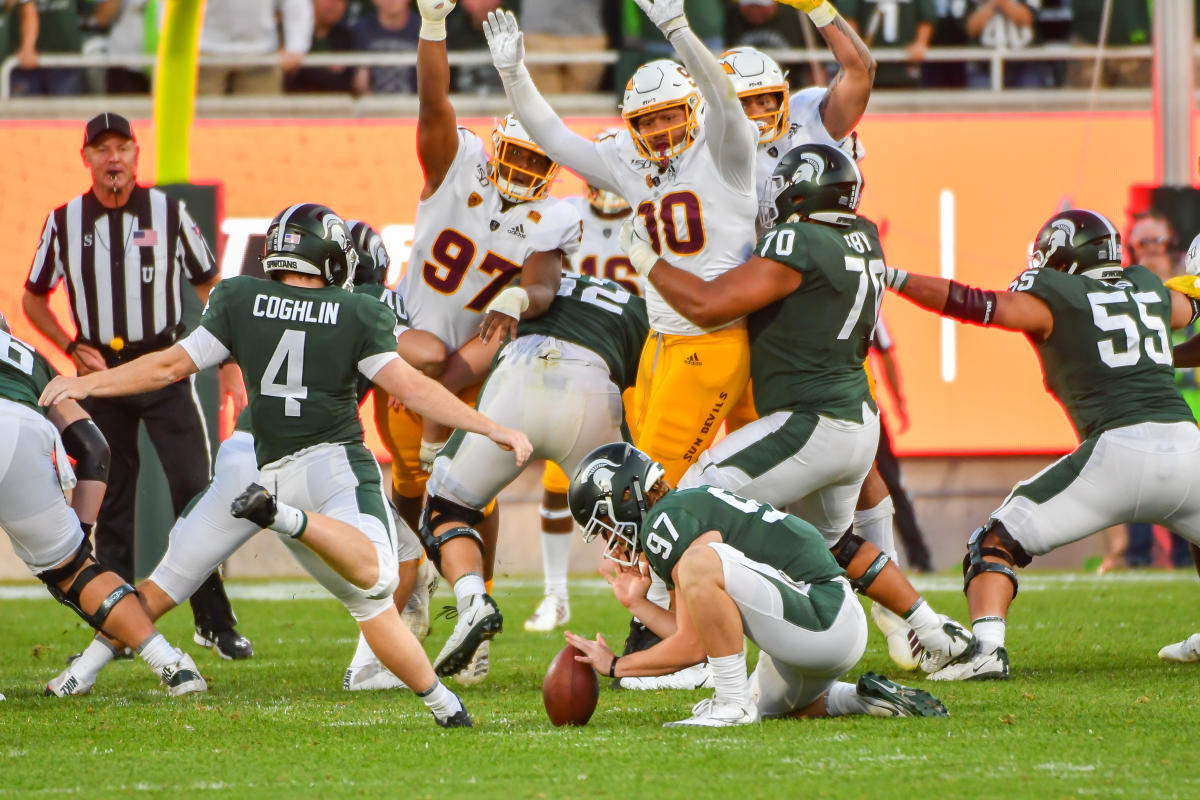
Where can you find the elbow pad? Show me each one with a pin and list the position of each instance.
(87, 445)
(970, 304)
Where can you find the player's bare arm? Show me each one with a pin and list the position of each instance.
(144, 374)
(541, 275)
(437, 125)
(1014, 311)
(423, 350)
(845, 100)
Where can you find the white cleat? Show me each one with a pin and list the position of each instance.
(902, 643)
(950, 645)
(553, 612)
(697, 676)
(714, 713)
(1184, 652)
(183, 677)
(477, 669)
(67, 683)
(369, 677)
(480, 622)
(416, 611)
(991, 666)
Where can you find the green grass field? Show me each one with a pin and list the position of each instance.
(1090, 711)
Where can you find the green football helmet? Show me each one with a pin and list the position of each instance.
(816, 182)
(1078, 242)
(608, 497)
(309, 239)
(373, 257)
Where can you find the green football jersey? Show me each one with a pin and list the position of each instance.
(807, 349)
(1108, 359)
(600, 315)
(24, 372)
(386, 296)
(299, 349)
(780, 540)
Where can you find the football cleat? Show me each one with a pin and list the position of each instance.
(477, 668)
(1183, 652)
(481, 621)
(903, 645)
(953, 643)
(459, 719)
(229, 644)
(255, 504)
(183, 677)
(416, 611)
(370, 677)
(714, 713)
(697, 676)
(886, 698)
(991, 666)
(553, 612)
(67, 683)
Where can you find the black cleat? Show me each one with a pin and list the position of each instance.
(229, 644)
(459, 719)
(255, 504)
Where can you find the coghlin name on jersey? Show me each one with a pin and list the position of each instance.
(286, 308)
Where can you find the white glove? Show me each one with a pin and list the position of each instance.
(635, 241)
(666, 14)
(429, 451)
(506, 42)
(433, 18)
(512, 301)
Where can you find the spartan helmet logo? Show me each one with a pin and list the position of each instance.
(601, 475)
(336, 231)
(810, 170)
(1061, 233)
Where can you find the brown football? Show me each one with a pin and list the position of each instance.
(570, 689)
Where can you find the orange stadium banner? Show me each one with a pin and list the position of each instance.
(957, 195)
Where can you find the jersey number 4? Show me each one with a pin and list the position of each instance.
(454, 254)
(288, 360)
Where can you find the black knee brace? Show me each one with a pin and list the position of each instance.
(436, 513)
(70, 598)
(86, 444)
(844, 552)
(1010, 551)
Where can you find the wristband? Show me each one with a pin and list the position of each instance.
(823, 14)
(895, 278)
(512, 302)
(670, 26)
(969, 304)
(433, 30)
(70, 348)
(612, 668)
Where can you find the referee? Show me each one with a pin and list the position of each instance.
(122, 251)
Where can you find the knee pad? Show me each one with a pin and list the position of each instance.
(1011, 551)
(70, 598)
(846, 548)
(439, 511)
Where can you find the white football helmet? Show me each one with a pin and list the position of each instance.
(659, 85)
(1191, 263)
(603, 201)
(518, 182)
(753, 72)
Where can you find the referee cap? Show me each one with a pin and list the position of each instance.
(104, 123)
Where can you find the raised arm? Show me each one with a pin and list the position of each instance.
(731, 139)
(437, 125)
(575, 152)
(1014, 311)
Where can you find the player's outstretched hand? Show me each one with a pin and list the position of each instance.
(635, 242)
(667, 15)
(597, 653)
(629, 584)
(63, 388)
(504, 39)
(510, 439)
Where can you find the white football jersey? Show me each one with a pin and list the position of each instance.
(466, 250)
(695, 220)
(599, 251)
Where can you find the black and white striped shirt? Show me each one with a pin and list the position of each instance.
(122, 266)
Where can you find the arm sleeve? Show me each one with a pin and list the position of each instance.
(47, 269)
(198, 261)
(560, 143)
(205, 349)
(297, 25)
(729, 135)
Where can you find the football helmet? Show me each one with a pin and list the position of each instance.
(608, 497)
(517, 182)
(656, 86)
(817, 182)
(753, 72)
(1191, 263)
(373, 258)
(604, 202)
(310, 239)
(1079, 242)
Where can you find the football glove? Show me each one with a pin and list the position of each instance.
(635, 241)
(667, 15)
(433, 18)
(505, 40)
(821, 12)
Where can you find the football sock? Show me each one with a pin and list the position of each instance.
(488, 584)
(440, 700)
(157, 652)
(875, 525)
(990, 632)
(729, 678)
(556, 549)
(467, 587)
(363, 654)
(923, 620)
(94, 658)
(289, 520)
(842, 700)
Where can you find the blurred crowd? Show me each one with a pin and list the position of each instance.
(287, 30)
